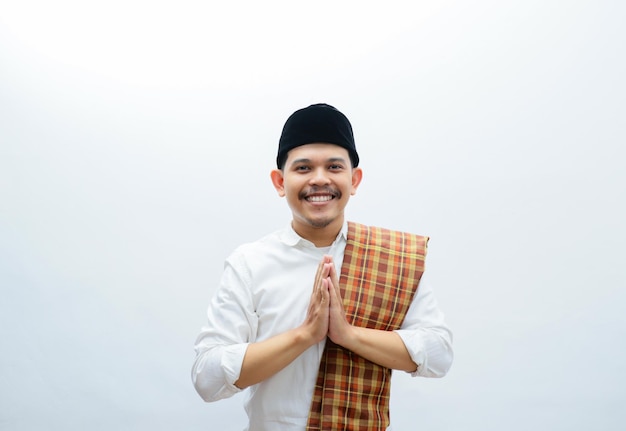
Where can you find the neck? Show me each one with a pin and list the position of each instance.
(320, 236)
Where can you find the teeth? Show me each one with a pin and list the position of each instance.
(319, 198)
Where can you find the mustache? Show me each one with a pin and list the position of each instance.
(320, 190)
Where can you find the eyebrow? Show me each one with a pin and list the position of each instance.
(330, 160)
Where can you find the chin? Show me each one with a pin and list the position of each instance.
(320, 223)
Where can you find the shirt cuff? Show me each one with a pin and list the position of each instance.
(415, 349)
(430, 350)
(232, 361)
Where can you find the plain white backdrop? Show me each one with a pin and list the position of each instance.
(136, 140)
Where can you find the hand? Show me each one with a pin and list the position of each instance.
(317, 317)
(340, 331)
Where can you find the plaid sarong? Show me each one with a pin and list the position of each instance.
(379, 276)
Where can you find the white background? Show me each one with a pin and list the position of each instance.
(136, 140)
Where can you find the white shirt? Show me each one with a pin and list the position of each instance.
(264, 291)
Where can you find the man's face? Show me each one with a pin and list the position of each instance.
(317, 180)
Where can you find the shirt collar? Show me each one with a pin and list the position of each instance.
(290, 238)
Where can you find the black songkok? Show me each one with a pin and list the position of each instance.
(320, 123)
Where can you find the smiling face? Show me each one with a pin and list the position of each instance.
(317, 180)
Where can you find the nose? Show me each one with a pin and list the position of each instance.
(319, 177)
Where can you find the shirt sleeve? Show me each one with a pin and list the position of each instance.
(222, 343)
(426, 335)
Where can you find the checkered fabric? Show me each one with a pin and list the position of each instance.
(379, 277)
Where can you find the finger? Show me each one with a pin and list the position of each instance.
(334, 276)
(336, 294)
(324, 294)
(331, 291)
(334, 279)
(325, 272)
(319, 276)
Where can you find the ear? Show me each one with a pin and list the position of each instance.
(357, 176)
(279, 181)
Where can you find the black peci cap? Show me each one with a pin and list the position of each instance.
(316, 123)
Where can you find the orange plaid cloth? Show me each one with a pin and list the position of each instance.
(379, 277)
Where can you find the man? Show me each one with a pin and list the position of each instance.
(313, 318)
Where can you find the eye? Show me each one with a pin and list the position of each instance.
(302, 168)
(335, 167)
